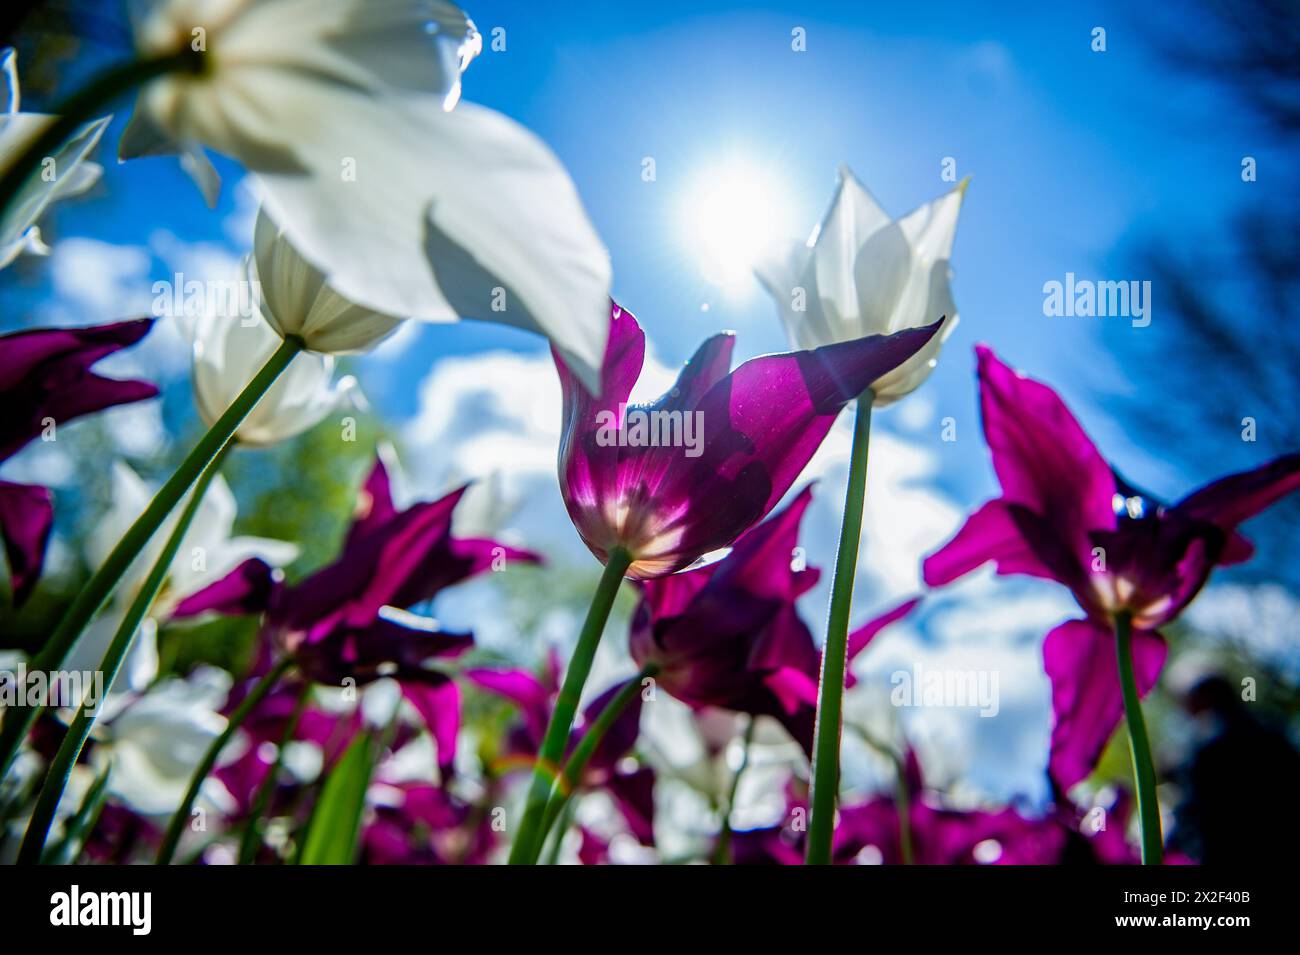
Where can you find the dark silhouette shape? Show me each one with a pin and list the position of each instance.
(1239, 784)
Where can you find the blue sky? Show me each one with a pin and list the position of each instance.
(1071, 150)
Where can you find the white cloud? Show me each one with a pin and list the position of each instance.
(100, 281)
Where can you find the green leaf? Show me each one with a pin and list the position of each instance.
(335, 823)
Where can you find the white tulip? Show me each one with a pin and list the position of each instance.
(861, 273)
(341, 109)
(66, 173)
(156, 741)
(268, 70)
(295, 299)
(229, 349)
(208, 551)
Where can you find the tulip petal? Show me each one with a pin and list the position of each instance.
(26, 518)
(374, 507)
(437, 698)
(861, 637)
(763, 423)
(991, 533)
(621, 735)
(854, 225)
(45, 375)
(1231, 500)
(708, 366)
(634, 795)
(520, 687)
(1087, 702)
(449, 214)
(248, 589)
(1043, 458)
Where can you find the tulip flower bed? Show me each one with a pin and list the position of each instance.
(295, 696)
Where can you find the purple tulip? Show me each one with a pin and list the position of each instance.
(45, 379)
(631, 788)
(341, 621)
(729, 635)
(1065, 515)
(421, 824)
(690, 472)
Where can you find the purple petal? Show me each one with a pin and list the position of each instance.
(621, 735)
(374, 569)
(1231, 500)
(1043, 458)
(708, 366)
(438, 700)
(991, 533)
(520, 687)
(762, 562)
(45, 373)
(593, 849)
(862, 636)
(1087, 703)
(374, 506)
(634, 795)
(26, 517)
(762, 424)
(248, 589)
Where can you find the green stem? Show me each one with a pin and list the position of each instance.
(903, 806)
(527, 843)
(83, 106)
(587, 746)
(722, 854)
(902, 796)
(1144, 773)
(246, 706)
(56, 778)
(830, 692)
(18, 720)
(557, 843)
(251, 840)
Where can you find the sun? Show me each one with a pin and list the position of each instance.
(734, 212)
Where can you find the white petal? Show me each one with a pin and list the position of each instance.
(789, 276)
(463, 213)
(882, 273)
(931, 229)
(17, 131)
(297, 301)
(854, 217)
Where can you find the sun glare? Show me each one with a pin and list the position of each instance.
(733, 214)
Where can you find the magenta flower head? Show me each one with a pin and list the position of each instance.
(689, 473)
(45, 380)
(729, 634)
(346, 619)
(1065, 515)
